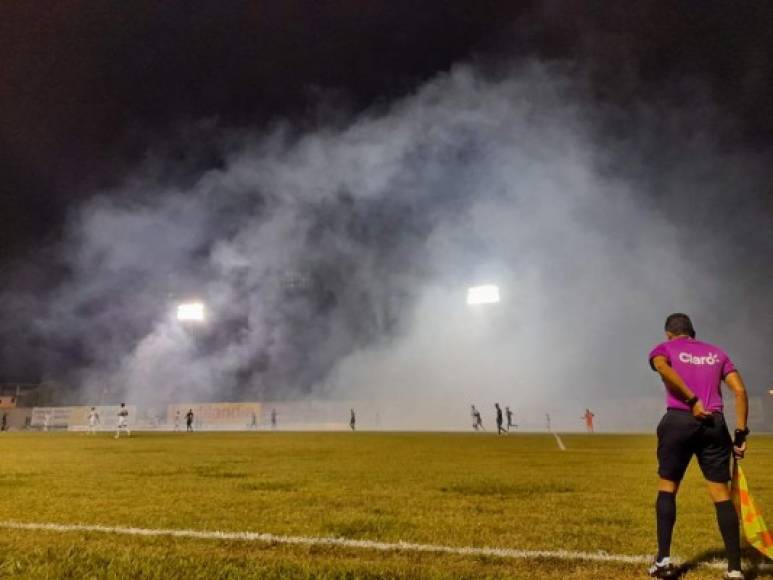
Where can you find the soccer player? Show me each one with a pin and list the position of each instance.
(547, 421)
(177, 420)
(123, 421)
(254, 422)
(5, 422)
(477, 421)
(93, 421)
(500, 428)
(353, 420)
(273, 418)
(692, 372)
(189, 421)
(509, 415)
(588, 416)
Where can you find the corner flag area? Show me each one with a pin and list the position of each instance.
(356, 505)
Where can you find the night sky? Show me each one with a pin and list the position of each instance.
(89, 90)
(87, 87)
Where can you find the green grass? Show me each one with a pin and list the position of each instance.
(450, 489)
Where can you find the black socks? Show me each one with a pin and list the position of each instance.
(727, 518)
(665, 510)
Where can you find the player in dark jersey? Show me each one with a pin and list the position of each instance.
(500, 427)
(353, 421)
(692, 372)
(509, 415)
(189, 420)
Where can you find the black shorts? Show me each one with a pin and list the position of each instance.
(680, 436)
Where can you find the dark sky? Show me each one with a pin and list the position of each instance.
(88, 90)
(87, 87)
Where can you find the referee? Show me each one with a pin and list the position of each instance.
(692, 372)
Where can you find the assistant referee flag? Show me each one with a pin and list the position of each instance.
(757, 533)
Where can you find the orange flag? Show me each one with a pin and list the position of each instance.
(754, 528)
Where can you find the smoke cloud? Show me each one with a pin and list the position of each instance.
(334, 263)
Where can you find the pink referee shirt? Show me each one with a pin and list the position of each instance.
(701, 365)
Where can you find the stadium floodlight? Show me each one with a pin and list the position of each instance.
(190, 311)
(488, 294)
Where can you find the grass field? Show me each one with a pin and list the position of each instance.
(459, 490)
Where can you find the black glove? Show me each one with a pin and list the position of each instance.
(740, 437)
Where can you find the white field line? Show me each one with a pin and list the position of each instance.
(346, 543)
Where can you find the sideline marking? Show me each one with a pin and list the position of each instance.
(348, 543)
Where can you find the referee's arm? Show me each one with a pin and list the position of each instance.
(677, 386)
(735, 383)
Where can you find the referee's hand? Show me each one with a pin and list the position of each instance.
(699, 412)
(739, 452)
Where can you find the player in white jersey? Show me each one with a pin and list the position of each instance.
(93, 421)
(123, 421)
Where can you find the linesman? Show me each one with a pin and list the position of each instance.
(692, 372)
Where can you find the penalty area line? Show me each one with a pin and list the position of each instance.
(509, 553)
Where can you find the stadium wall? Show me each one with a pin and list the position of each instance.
(8, 402)
(615, 415)
(17, 418)
(75, 417)
(226, 416)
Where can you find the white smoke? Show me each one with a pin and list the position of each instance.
(335, 263)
